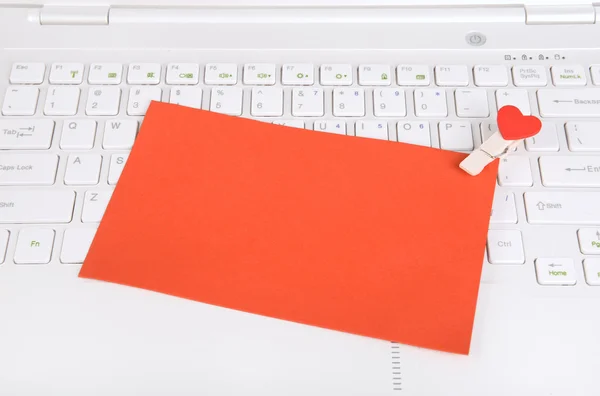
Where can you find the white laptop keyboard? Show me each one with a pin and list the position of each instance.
(66, 130)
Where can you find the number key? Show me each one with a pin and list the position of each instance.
(348, 102)
(267, 102)
(140, 98)
(307, 102)
(103, 101)
(389, 102)
(226, 100)
(430, 103)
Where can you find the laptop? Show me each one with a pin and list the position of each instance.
(77, 76)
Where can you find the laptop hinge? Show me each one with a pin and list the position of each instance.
(74, 15)
(560, 15)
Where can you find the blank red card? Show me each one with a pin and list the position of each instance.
(371, 237)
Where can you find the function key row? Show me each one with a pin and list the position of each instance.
(305, 74)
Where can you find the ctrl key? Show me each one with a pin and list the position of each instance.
(505, 247)
(555, 271)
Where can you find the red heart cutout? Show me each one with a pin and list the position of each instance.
(513, 125)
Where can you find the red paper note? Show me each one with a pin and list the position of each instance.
(365, 236)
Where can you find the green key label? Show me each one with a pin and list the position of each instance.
(112, 75)
(557, 273)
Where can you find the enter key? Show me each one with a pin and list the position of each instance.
(581, 171)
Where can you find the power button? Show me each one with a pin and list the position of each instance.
(476, 39)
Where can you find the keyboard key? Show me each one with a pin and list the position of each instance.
(595, 73)
(551, 207)
(94, 205)
(472, 103)
(374, 75)
(514, 97)
(26, 134)
(259, 74)
(220, 73)
(348, 102)
(105, 73)
(555, 271)
(298, 74)
(452, 75)
(569, 102)
(372, 129)
(226, 100)
(144, 73)
(490, 75)
(413, 132)
(186, 96)
(583, 136)
(336, 74)
(76, 244)
(83, 169)
(62, 101)
(119, 134)
(487, 129)
(430, 103)
(27, 73)
(66, 73)
(592, 271)
(413, 75)
(308, 102)
(331, 126)
(389, 102)
(140, 98)
(20, 101)
(505, 247)
(546, 140)
(34, 246)
(78, 134)
(183, 73)
(515, 171)
(290, 123)
(530, 76)
(267, 102)
(103, 101)
(117, 163)
(27, 169)
(573, 171)
(504, 210)
(36, 206)
(589, 240)
(568, 76)
(4, 234)
(456, 136)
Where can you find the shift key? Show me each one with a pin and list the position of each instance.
(36, 206)
(563, 207)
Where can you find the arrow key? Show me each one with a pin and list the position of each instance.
(555, 271)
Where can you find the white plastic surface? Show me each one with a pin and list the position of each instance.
(81, 337)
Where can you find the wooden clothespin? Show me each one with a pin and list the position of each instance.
(513, 127)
